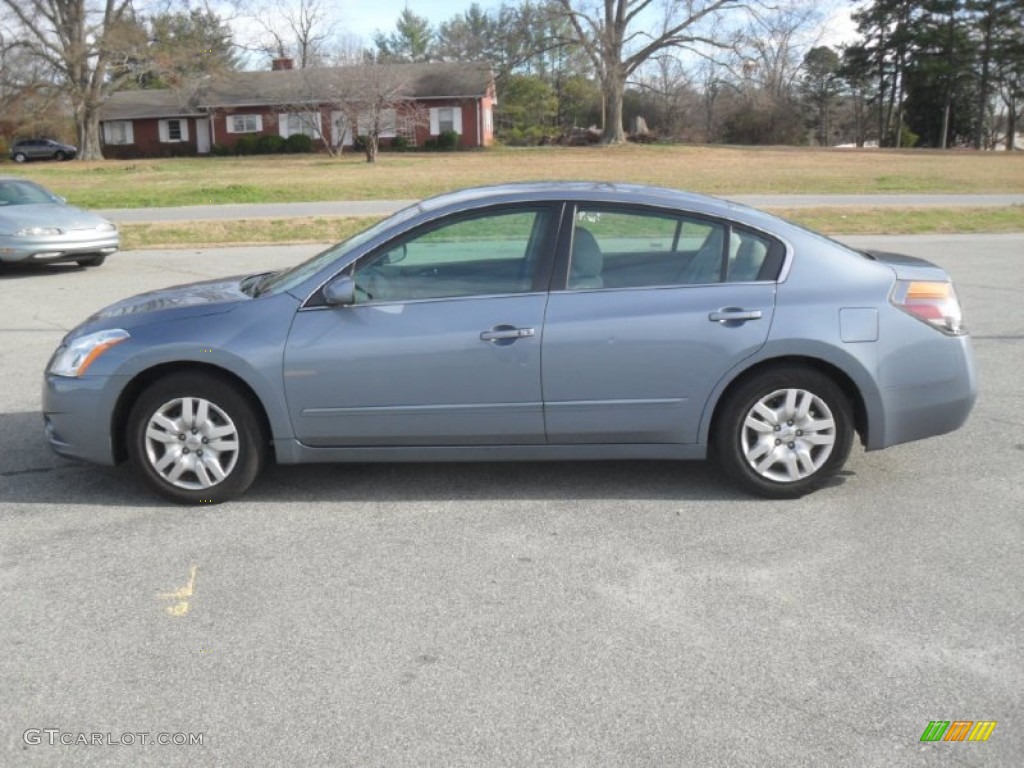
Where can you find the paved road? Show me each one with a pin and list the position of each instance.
(508, 615)
(384, 207)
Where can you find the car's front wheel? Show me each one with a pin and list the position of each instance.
(195, 438)
(60, 155)
(783, 432)
(92, 261)
(20, 157)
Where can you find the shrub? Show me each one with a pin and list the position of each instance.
(270, 144)
(447, 141)
(246, 145)
(298, 143)
(219, 150)
(399, 144)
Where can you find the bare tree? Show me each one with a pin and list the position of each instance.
(775, 42)
(618, 38)
(80, 42)
(296, 29)
(364, 102)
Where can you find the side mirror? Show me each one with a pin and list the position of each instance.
(340, 292)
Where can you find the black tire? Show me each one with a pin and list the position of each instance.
(769, 454)
(92, 261)
(60, 156)
(230, 420)
(20, 157)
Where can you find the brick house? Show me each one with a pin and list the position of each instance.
(423, 100)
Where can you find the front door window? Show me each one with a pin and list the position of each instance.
(487, 254)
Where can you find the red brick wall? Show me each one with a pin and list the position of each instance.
(147, 142)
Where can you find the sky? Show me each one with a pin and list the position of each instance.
(367, 16)
(363, 18)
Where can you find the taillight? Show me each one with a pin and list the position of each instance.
(931, 301)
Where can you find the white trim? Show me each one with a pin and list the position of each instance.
(127, 132)
(229, 120)
(313, 120)
(435, 119)
(165, 130)
(387, 123)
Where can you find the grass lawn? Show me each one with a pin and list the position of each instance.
(712, 170)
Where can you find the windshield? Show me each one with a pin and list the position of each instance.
(24, 193)
(290, 278)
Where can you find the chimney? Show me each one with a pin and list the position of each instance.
(281, 63)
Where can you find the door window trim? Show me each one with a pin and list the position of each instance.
(562, 262)
(542, 269)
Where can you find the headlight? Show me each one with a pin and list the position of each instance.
(37, 231)
(76, 357)
(106, 226)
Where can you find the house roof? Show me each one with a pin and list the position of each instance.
(165, 102)
(434, 80)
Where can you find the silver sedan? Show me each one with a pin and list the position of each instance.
(38, 226)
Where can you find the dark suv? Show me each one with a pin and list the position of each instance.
(41, 149)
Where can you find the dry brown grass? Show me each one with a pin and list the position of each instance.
(712, 170)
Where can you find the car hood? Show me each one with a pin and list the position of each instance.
(210, 297)
(65, 217)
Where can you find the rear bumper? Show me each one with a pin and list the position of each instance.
(927, 409)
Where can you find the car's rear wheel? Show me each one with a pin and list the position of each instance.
(195, 438)
(20, 157)
(783, 432)
(92, 261)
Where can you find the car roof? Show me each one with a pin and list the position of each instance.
(604, 192)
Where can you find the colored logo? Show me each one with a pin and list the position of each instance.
(958, 730)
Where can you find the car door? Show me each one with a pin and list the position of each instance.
(654, 307)
(441, 345)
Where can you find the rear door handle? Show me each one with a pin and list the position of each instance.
(734, 314)
(506, 333)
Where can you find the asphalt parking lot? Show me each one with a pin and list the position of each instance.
(526, 614)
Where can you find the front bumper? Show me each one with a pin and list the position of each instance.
(77, 415)
(45, 250)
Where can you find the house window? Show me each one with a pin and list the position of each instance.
(445, 119)
(245, 123)
(307, 123)
(387, 123)
(173, 131)
(118, 132)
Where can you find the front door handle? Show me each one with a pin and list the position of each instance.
(506, 333)
(734, 315)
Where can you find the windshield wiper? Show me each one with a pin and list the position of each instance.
(253, 284)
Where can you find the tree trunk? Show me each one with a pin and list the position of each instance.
(983, 80)
(614, 87)
(371, 148)
(89, 136)
(1011, 126)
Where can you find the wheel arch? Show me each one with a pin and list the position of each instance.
(863, 416)
(143, 379)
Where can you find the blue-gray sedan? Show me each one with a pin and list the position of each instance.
(540, 321)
